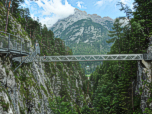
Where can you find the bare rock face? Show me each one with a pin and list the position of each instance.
(83, 28)
(2, 74)
(63, 24)
(144, 73)
(13, 87)
(40, 86)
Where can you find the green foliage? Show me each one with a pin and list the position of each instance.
(39, 105)
(49, 46)
(4, 105)
(22, 76)
(59, 65)
(117, 33)
(111, 93)
(44, 90)
(85, 110)
(112, 87)
(7, 72)
(59, 106)
(22, 110)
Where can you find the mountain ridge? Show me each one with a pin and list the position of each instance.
(78, 15)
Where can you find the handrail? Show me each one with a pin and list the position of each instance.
(14, 43)
(91, 57)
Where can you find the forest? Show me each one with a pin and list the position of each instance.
(110, 86)
(113, 90)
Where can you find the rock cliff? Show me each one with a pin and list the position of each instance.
(74, 23)
(144, 73)
(34, 85)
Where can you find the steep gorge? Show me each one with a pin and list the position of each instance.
(40, 87)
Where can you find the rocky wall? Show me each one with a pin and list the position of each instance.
(144, 73)
(14, 91)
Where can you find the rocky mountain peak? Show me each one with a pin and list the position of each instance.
(77, 10)
(108, 18)
(62, 24)
(92, 16)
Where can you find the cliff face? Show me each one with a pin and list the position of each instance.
(78, 15)
(144, 73)
(32, 81)
(34, 85)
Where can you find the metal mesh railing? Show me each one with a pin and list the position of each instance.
(16, 43)
(25, 46)
(3, 41)
(11, 42)
(147, 56)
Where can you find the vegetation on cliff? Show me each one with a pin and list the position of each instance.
(110, 86)
(113, 89)
(71, 84)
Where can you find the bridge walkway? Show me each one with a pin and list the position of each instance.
(20, 51)
(13, 45)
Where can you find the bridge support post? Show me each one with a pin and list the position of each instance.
(16, 45)
(21, 50)
(21, 45)
(6, 57)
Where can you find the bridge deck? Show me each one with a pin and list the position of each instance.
(20, 47)
(85, 58)
(14, 45)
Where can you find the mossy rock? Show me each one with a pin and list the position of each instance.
(5, 106)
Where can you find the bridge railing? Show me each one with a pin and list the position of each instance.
(10, 42)
(147, 56)
(3, 41)
(26, 46)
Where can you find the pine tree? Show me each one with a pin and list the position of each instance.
(27, 17)
(144, 12)
(7, 15)
(117, 33)
(15, 7)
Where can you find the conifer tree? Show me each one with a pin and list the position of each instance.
(144, 12)
(117, 33)
(7, 15)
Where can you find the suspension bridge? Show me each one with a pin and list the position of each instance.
(21, 51)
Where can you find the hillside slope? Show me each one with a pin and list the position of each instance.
(39, 87)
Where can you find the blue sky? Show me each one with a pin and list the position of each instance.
(49, 11)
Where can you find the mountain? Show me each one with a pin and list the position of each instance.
(85, 34)
(61, 25)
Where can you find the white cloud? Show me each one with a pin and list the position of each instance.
(124, 1)
(51, 9)
(79, 4)
(99, 3)
(106, 3)
(129, 3)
